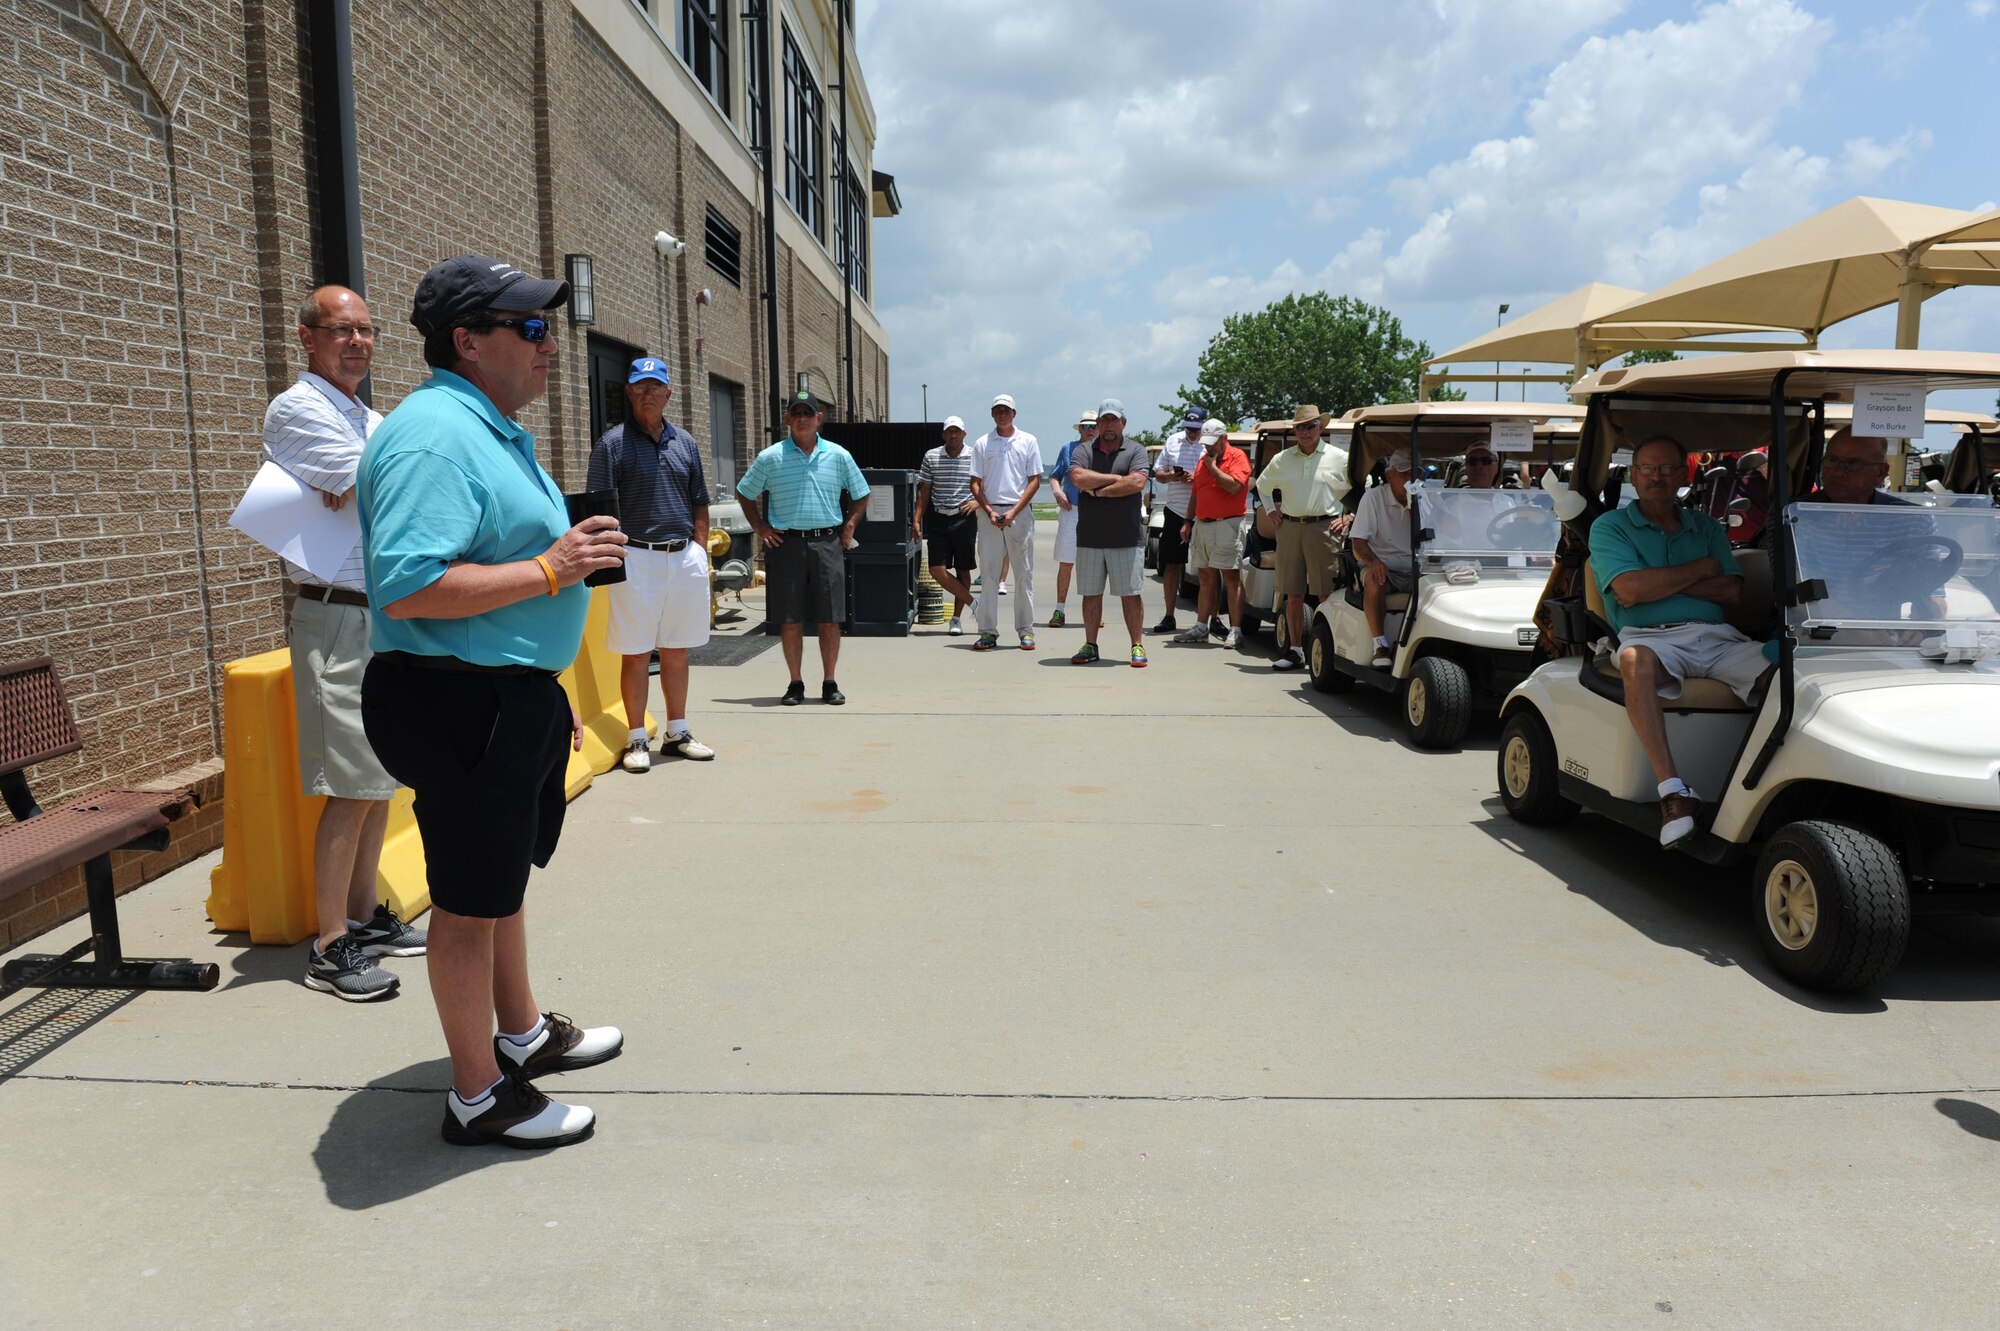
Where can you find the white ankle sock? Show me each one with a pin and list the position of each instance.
(1063, 606)
(529, 1036)
(1381, 642)
(677, 727)
(636, 735)
(467, 1110)
(1673, 785)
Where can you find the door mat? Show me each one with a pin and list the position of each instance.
(729, 651)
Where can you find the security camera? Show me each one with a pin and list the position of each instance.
(668, 246)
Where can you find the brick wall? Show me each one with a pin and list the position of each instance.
(157, 234)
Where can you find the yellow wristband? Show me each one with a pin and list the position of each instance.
(549, 572)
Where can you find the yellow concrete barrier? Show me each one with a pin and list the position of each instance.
(264, 885)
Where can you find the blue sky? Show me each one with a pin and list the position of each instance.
(1089, 187)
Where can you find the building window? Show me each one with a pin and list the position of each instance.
(722, 246)
(757, 75)
(805, 138)
(705, 46)
(850, 231)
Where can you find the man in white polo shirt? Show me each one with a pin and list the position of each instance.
(1381, 541)
(1006, 472)
(1173, 490)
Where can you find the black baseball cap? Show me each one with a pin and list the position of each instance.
(802, 398)
(470, 283)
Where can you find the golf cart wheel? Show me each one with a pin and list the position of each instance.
(1281, 631)
(1528, 785)
(1832, 906)
(1326, 676)
(1437, 702)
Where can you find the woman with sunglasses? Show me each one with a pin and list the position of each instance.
(473, 579)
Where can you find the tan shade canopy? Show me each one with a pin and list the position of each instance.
(1547, 333)
(1832, 266)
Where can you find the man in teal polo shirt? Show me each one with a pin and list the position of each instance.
(793, 496)
(1666, 574)
(473, 582)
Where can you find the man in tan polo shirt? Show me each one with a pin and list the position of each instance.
(1302, 487)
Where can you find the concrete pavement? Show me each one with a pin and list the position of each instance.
(1020, 995)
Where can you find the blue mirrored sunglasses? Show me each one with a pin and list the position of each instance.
(531, 330)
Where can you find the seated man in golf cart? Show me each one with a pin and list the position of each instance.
(1381, 541)
(1482, 468)
(1666, 573)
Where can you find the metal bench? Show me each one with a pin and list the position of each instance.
(36, 724)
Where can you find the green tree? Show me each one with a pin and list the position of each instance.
(1144, 438)
(1649, 357)
(1335, 351)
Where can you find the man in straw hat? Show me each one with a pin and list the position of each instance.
(1302, 488)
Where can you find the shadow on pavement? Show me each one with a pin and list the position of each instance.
(262, 963)
(382, 1143)
(1975, 1118)
(1678, 902)
(47, 1019)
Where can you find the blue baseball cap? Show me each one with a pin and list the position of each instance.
(1195, 416)
(650, 367)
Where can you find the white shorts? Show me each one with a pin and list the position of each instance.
(1123, 569)
(663, 601)
(1702, 651)
(1217, 543)
(1066, 534)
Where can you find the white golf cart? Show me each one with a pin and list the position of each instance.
(1481, 560)
(1259, 560)
(1869, 775)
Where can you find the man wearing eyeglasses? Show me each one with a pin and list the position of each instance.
(1666, 574)
(476, 602)
(655, 466)
(315, 431)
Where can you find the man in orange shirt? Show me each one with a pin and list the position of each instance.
(1214, 533)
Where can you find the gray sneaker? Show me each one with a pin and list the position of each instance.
(385, 935)
(345, 971)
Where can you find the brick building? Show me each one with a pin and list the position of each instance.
(161, 216)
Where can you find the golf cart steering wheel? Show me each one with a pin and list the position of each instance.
(1918, 564)
(1523, 527)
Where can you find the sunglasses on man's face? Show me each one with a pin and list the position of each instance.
(531, 330)
(1478, 462)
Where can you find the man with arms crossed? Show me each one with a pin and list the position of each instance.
(1220, 491)
(946, 507)
(1065, 488)
(1110, 530)
(315, 430)
(792, 496)
(655, 466)
(1666, 573)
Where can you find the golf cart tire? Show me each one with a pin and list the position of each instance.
(1437, 702)
(1529, 784)
(1281, 632)
(1326, 676)
(1858, 898)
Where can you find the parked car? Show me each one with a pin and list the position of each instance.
(1866, 782)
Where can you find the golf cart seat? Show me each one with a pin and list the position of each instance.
(1752, 615)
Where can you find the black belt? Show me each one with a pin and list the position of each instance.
(816, 531)
(952, 513)
(1312, 517)
(458, 666)
(673, 547)
(332, 595)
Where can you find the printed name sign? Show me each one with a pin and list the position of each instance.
(1513, 437)
(1888, 411)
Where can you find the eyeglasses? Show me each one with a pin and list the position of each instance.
(1659, 468)
(346, 332)
(1849, 464)
(531, 330)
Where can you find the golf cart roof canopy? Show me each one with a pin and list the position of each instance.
(1464, 413)
(1448, 429)
(1828, 375)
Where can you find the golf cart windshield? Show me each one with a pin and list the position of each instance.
(1487, 524)
(1869, 574)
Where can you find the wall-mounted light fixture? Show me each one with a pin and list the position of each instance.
(582, 288)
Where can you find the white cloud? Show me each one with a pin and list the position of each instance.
(1979, 9)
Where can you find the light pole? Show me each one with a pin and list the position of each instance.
(1504, 307)
(1524, 383)
(927, 401)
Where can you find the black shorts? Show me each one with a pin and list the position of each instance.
(486, 755)
(806, 579)
(953, 538)
(1173, 546)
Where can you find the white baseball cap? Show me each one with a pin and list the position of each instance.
(1212, 427)
(1004, 400)
(953, 423)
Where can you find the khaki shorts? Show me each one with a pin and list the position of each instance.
(329, 656)
(1217, 543)
(1702, 651)
(1305, 559)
